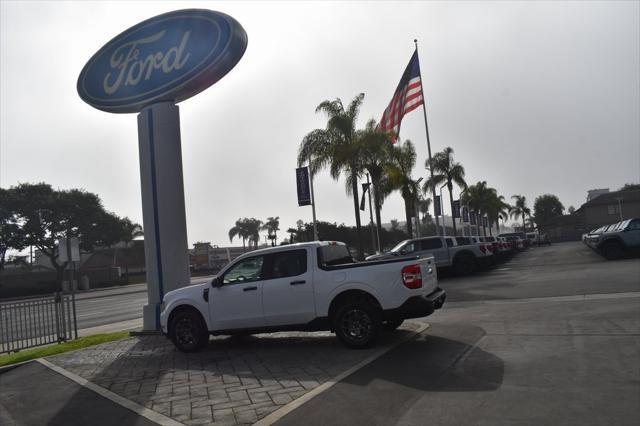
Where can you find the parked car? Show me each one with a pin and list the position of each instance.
(617, 239)
(447, 253)
(486, 254)
(309, 286)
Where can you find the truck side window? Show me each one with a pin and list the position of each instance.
(449, 242)
(246, 270)
(430, 244)
(288, 264)
(634, 225)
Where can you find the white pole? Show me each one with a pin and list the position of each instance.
(313, 205)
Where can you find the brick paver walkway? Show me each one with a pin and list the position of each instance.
(234, 381)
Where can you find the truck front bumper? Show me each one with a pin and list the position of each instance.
(417, 306)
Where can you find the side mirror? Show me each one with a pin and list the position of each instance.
(216, 282)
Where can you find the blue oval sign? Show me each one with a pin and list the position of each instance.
(169, 57)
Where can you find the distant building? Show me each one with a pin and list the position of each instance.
(604, 209)
(593, 193)
(205, 256)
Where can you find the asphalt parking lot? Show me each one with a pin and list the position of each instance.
(551, 336)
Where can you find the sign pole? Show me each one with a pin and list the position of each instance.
(313, 205)
(163, 212)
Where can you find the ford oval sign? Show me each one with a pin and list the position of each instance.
(170, 57)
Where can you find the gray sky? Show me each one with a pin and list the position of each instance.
(533, 97)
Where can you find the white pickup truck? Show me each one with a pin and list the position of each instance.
(307, 287)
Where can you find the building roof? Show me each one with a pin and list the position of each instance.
(611, 198)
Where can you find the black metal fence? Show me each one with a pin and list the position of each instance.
(37, 321)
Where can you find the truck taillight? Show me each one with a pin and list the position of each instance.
(483, 248)
(412, 276)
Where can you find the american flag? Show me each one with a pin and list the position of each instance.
(407, 97)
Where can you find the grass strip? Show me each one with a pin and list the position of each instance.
(72, 345)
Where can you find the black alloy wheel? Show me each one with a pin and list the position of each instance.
(612, 250)
(188, 331)
(357, 324)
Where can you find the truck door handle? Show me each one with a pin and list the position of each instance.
(298, 282)
(250, 288)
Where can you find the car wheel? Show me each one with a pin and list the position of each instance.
(464, 265)
(188, 331)
(391, 325)
(357, 324)
(612, 250)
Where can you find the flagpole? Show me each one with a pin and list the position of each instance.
(426, 127)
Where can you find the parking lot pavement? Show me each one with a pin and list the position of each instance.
(529, 350)
(233, 381)
(32, 394)
(562, 269)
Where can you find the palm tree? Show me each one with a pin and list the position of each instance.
(401, 167)
(424, 204)
(337, 146)
(445, 170)
(375, 157)
(272, 225)
(253, 227)
(240, 230)
(291, 231)
(478, 197)
(520, 209)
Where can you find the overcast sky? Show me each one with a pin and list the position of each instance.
(534, 98)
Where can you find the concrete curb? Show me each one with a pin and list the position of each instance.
(283, 411)
(138, 409)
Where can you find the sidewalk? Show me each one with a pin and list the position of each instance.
(234, 381)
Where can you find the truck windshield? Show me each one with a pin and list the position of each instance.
(331, 255)
(399, 246)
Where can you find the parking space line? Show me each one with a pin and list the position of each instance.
(281, 412)
(138, 409)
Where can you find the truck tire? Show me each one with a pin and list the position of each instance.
(391, 325)
(357, 324)
(612, 250)
(464, 265)
(188, 331)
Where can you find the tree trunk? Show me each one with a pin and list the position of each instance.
(356, 208)
(453, 219)
(524, 227)
(408, 216)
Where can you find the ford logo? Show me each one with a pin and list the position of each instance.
(170, 57)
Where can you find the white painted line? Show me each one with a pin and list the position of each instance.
(138, 409)
(281, 412)
(92, 313)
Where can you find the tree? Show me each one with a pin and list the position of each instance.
(400, 170)
(479, 197)
(630, 187)
(394, 224)
(253, 227)
(292, 232)
(545, 208)
(46, 215)
(240, 230)
(375, 151)
(571, 210)
(272, 225)
(445, 170)
(337, 147)
(520, 209)
(11, 236)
